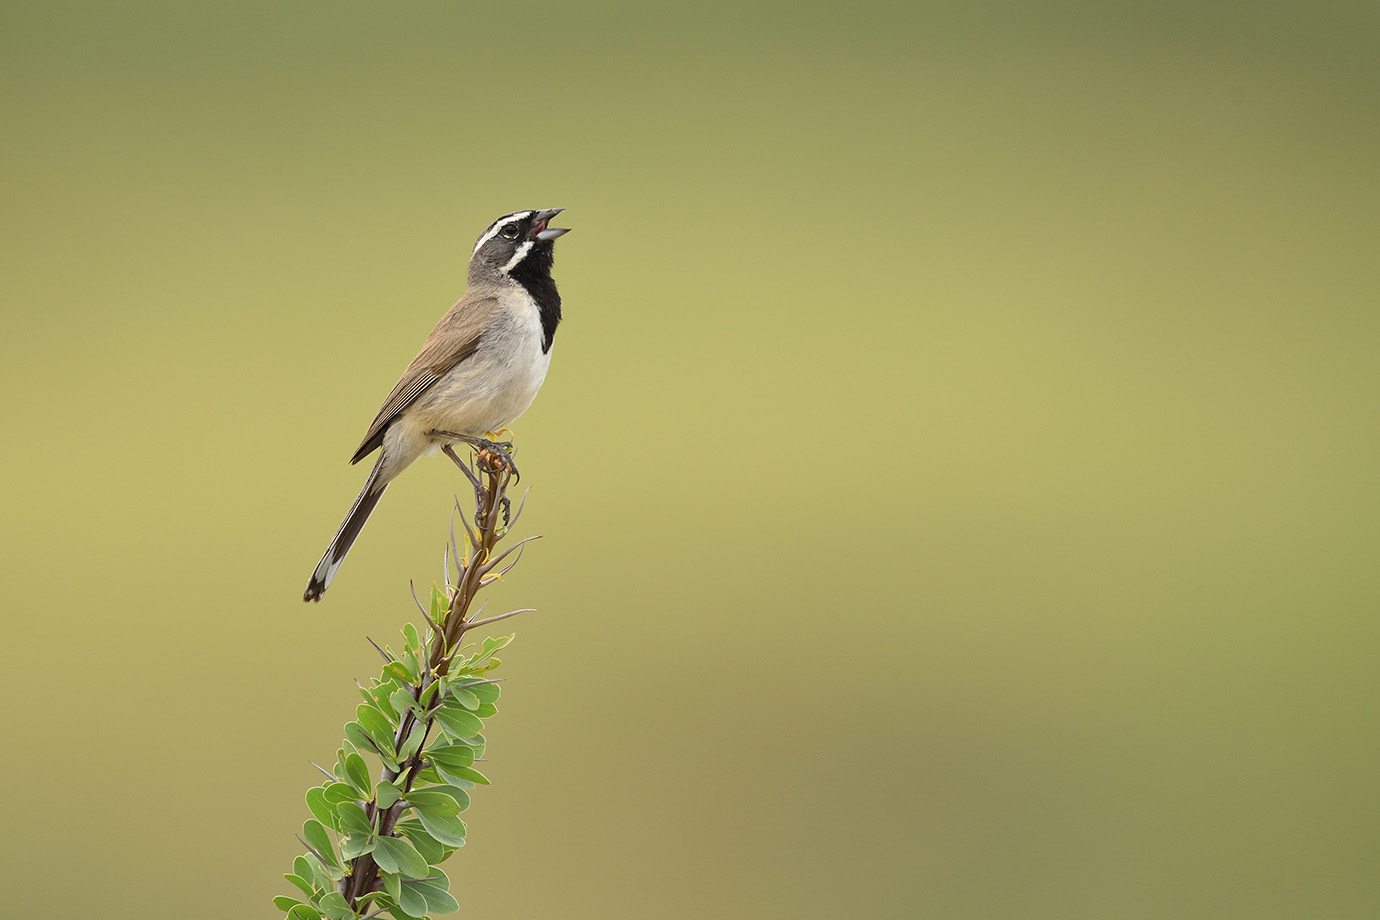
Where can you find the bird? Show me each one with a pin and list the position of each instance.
(479, 369)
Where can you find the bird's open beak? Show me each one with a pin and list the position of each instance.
(542, 232)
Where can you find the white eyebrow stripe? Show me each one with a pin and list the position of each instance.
(518, 256)
(499, 225)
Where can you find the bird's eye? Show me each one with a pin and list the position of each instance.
(510, 232)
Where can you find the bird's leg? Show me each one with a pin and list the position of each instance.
(474, 481)
(465, 467)
(501, 451)
(497, 451)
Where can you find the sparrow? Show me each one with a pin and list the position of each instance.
(479, 370)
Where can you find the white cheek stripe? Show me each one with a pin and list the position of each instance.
(518, 256)
(499, 225)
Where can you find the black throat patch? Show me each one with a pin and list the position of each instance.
(534, 274)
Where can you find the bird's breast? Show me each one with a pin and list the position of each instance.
(496, 384)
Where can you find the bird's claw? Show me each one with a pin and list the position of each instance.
(497, 454)
(505, 508)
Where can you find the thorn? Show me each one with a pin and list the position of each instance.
(312, 850)
(474, 541)
(386, 656)
(488, 565)
(330, 776)
(418, 601)
(455, 547)
(491, 680)
(501, 616)
(522, 502)
(506, 569)
(469, 622)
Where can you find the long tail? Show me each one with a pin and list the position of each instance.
(345, 537)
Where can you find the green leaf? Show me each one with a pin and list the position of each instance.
(414, 641)
(353, 819)
(456, 722)
(475, 744)
(333, 905)
(355, 847)
(431, 851)
(375, 722)
(322, 876)
(465, 698)
(486, 710)
(446, 829)
(487, 693)
(296, 909)
(380, 731)
(387, 794)
(461, 797)
(450, 756)
(428, 694)
(413, 664)
(392, 884)
(302, 884)
(494, 643)
(320, 808)
(414, 740)
(314, 833)
(382, 692)
(483, 660)
(444, 778)
(470, 774)
(401, 700)
(303, 869)
(393, 854)
(440, 604)
(357, 773)
(412, 901)
(362, 902)
(356, 735)
(436, 801)
(381, 746)
(340, 792)
(397, 670)
(438, 899)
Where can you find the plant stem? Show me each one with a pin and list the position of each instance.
(364, 875)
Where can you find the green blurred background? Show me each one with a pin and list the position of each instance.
(958, 466)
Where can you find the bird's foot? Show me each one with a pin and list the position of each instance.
(496, 455)
(505, 508)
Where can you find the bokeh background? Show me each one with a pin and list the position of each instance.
(958, 468)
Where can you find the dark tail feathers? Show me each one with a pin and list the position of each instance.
(345, 537)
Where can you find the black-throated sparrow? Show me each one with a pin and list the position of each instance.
(479, 370)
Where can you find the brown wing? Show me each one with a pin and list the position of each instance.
(453, 340)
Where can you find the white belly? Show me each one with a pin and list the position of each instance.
(491, 388)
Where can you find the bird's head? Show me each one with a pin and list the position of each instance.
(520, 243)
